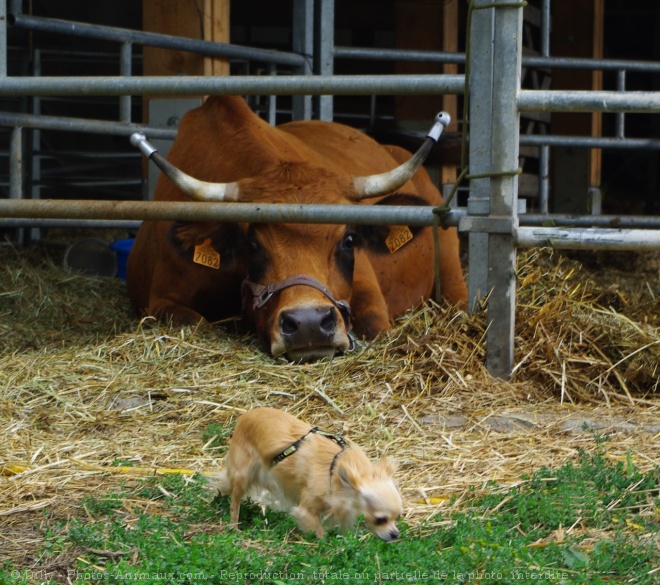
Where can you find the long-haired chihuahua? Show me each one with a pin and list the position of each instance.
(318, 478)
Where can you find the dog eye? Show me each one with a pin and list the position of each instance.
(380, 521)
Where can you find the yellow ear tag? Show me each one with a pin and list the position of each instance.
(398, 237)
(206, 255)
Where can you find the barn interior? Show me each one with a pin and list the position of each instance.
(573, 179)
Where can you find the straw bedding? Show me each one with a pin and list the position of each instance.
(84, 384)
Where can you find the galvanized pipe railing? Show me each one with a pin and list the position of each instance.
(247, 85)
(227, 212)
(50, 213)
(122, 35)
(63, 123)
(640, 102)
(527, 61)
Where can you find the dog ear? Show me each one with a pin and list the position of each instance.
(370, 499)
(349, 477)
(385, 467)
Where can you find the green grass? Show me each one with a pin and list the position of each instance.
(591, 521)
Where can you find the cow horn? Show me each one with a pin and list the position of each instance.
(200, 190)
(384, 183)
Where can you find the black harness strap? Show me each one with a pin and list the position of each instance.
(290, 450)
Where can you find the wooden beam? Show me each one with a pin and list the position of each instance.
(216, 28)
(448, 174)
(577, 31)
(194, 19)
(430, 25)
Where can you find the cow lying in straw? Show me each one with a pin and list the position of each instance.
(303, 287)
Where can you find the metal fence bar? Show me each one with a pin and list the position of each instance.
(303, 44)
(646, 102)
(16, 163)
(36, 223)
(3, 40)
(603, 221)
(64, 123)
(321, 85)
(507, 40)
(480, 111)
(544, 149)
(125, 69)
(588, 239)
(123, 35)
(33, 212)
(42, 122)
(527, 61)
(622, 143)
(204, 211)
(325, 54)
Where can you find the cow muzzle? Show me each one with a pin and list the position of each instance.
(304, 333)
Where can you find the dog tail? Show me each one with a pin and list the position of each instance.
(220, 482)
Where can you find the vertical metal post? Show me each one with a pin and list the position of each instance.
(545, 28)
(325, 53)
(620, 120)
(303, 44)
(504, 189)
(272, 99)
(15, 141)
(544, 150)
(3, 38)
(496, 38)
(16, 163)
(480, 113)
(16, 172)
(544, 179)
(35, 152)
(125, 69)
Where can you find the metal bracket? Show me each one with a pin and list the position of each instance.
(492, 224)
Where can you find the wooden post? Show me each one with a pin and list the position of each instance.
(427, 25)
(448, 174)
(216, 28)
(184, 18)
(194, 19)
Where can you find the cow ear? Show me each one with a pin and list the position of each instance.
(377, 239)
(187, 235)
(226, 239)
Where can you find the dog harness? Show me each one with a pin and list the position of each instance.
(295, 446)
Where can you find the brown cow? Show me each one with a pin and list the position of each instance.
(187, 272)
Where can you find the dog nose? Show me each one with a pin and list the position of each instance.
(389, 536)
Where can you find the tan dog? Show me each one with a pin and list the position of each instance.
(314, 476)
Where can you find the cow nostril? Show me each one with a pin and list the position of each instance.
(308, 325)
(288, 325)
(329, 322)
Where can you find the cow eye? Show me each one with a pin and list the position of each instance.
(349, 242)
(252, 245)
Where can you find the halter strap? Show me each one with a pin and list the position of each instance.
(291, 449)
(261, 294)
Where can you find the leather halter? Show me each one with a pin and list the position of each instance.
(261, 294)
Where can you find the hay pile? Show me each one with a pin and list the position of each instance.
(83, 385)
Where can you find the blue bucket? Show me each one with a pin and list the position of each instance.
(121, 248)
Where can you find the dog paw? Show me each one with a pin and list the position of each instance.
(307, 521)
